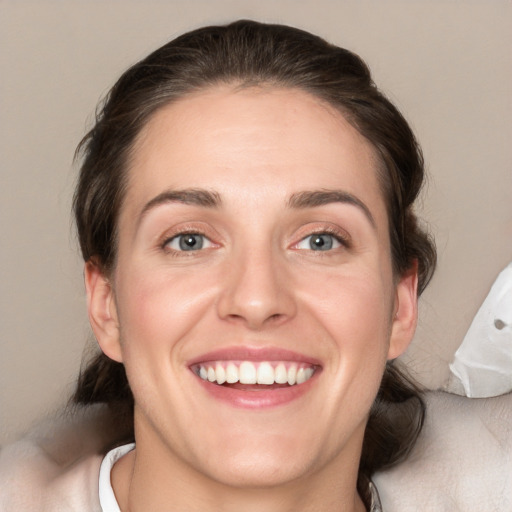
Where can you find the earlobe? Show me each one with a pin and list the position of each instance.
(102, 310)
(405, 313)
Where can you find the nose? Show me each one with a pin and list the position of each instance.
(258, 291)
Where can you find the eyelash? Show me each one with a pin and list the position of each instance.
(182, 233)
(342, 239)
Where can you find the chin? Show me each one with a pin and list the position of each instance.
(255, 462)
(258, 471)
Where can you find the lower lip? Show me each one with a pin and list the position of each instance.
(257, 399)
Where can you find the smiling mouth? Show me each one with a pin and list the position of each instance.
(249, 375)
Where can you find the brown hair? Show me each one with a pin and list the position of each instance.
(247, 53)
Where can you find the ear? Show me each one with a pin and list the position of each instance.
(405, 313)
(102, 311)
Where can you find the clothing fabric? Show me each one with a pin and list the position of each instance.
(108, 499)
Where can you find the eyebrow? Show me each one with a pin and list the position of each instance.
(193, 196)
(299, 200)
(315, 198)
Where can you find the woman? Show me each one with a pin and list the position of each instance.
(252, 266)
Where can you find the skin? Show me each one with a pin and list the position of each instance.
(256, 283)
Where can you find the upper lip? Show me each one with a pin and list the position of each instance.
(256, 354)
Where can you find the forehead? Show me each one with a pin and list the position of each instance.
(236, 141)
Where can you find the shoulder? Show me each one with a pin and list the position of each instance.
(462, 460)
(29, 482)
(55, 467)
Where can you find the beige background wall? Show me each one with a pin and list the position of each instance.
(447, 64)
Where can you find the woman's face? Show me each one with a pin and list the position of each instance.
(253, 247)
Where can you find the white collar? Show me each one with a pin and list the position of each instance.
(108, 500)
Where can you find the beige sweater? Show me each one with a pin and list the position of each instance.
(462, 462)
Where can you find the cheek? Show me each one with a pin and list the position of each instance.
(157, 308)
(354, 311)
(359, 303)
(158, 315)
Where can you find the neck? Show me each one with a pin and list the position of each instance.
(141, 483)
(161, 476)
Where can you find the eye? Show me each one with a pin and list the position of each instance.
(319, 242)
(188, 242)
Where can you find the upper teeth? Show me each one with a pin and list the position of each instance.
(248, 372)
